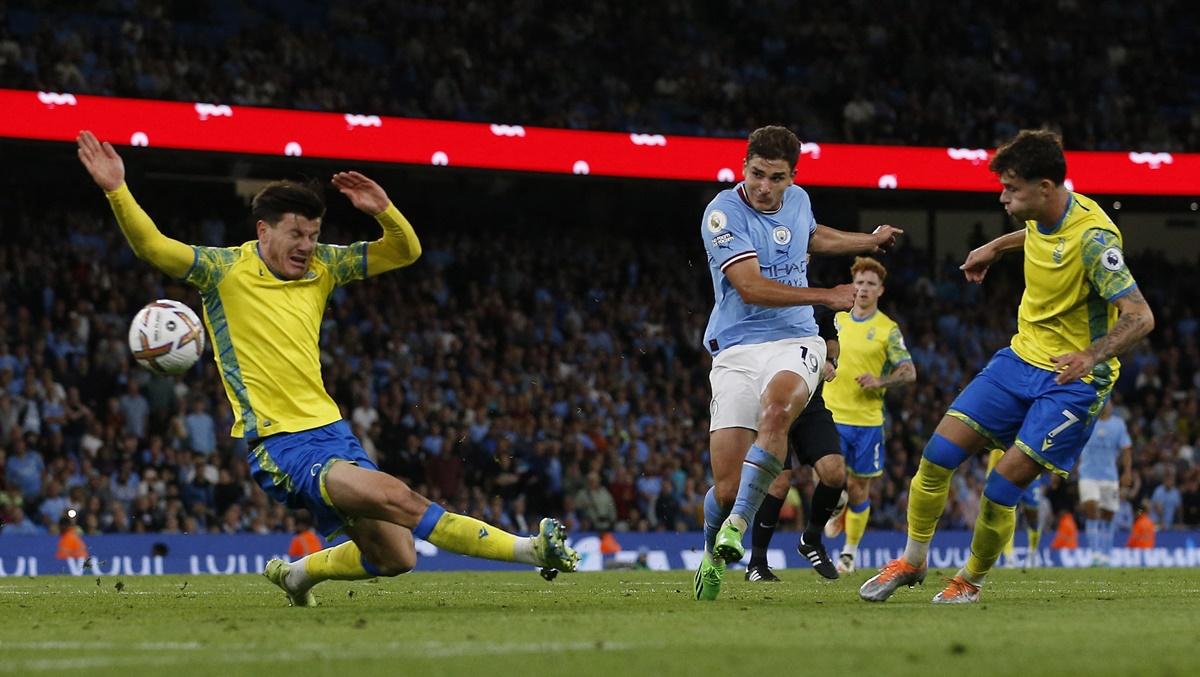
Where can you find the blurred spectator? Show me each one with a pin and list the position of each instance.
(596, 505)
(306, 541)
(1142, 534)
(70, 543)
(1066, 533)
(135, 410)
(201, 429)
(1166, 500)
(17, 525)
(23, 469)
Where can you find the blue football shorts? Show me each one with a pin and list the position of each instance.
(862, 445)
(291, 468)
(1012, 402)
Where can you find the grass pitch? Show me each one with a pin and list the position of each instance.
(1048, 621)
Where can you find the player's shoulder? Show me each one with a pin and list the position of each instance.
(224, 256)
(884, 320)
(1090, 216)
(727, 201)
(326, 252)
(724, 208)
(794, 192)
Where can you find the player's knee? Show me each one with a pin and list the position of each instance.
(833, 475)
(401, 563)
(775, 418)
(831, 470)
(857, 490)
(393, 564)
(399, 497)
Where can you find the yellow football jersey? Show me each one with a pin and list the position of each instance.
(873, 345)
(265, 333)
(1073, 273)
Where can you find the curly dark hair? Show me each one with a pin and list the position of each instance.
(774, 143)
(1032, 154)
(288, 197)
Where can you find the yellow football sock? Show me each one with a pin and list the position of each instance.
(468, 536)
(994, 457)
(1035, 535)
(339, 563)
(993, 529)
(856, 526)
(927, 499)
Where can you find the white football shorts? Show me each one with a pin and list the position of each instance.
(740, 375)
(1106, 493)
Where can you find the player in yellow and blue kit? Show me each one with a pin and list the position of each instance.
(263, 304)
(873, 358)
(1039, 397)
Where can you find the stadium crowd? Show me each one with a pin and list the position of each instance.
(968, 76)
(491, 380)
(504, 376)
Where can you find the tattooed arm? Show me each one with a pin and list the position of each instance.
(1134, 321)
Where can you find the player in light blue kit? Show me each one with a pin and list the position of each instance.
(767, 357)
(1099, 484)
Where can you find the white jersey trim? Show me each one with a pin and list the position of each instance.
(737, 258)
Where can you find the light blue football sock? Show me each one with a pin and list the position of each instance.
(759, 470)
(714, 516)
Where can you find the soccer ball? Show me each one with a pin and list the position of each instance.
(166, 337)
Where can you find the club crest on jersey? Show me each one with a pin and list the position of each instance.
(871, 334)
(1112, 259)
(1058, 249)
(717, 221)
(781, 235)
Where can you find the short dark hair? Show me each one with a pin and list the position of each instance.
(1033, 154)
(774, 143)
(288, 197)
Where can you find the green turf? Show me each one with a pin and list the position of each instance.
(1092, 622)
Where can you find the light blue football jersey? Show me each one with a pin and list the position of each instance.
(733, 231)
(1099, 458)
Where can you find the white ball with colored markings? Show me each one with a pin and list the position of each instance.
(166, 337)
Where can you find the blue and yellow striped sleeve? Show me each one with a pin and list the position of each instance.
(209, 266)
(345, 263)
(897, 352)
(1104, 264)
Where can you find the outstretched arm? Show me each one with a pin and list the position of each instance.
(108, 171)
(399, 245)
(761, 291)
(833, 242)
(980, 259)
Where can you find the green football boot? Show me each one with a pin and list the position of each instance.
(728, 546)
(550, 544)
(708, 578)
(276, 572)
